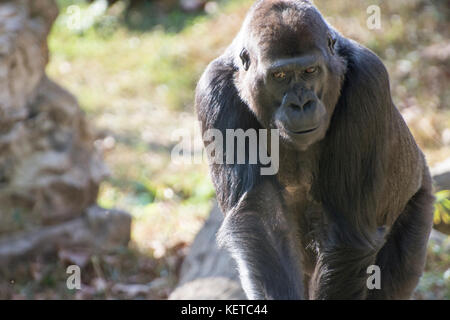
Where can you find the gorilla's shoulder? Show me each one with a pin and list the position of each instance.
(364, 68)
(219, 72)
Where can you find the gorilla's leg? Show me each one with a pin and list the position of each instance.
(402, 258)
(341, 269)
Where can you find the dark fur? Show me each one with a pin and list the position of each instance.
(359, 195)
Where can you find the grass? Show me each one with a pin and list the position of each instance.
(135, 75)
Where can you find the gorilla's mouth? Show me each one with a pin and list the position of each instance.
(304, 131)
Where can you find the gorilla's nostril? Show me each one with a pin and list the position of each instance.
(294, 106)
(307, 105)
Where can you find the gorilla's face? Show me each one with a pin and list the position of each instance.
(291, 79)
(292, 91)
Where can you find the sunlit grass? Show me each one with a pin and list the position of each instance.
(137, 88)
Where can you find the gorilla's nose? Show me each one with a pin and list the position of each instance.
(291, 100)
(296, 103)
(305, 106)
(308, 104)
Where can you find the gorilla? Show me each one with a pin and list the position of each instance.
(353, 189)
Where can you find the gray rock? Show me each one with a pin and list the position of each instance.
(50, 170)
(208, 272)
(100, 230)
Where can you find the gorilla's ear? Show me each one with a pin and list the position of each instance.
(331, 43)
(245, 58)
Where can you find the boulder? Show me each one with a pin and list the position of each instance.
(50, 170)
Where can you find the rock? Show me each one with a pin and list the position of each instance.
(208, 272)
(50, 170)
(441, 175)
(212, 288)
(99, 231)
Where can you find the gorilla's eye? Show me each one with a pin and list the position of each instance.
(311, 70)
(279, 75)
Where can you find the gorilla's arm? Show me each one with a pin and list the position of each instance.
(352, 177)
(256, 229)
(260, 238)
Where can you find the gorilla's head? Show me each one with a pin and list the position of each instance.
(289, 72)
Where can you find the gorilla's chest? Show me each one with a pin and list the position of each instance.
(309, 219)
(307, 214)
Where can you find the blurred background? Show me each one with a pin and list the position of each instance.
(133, 66)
